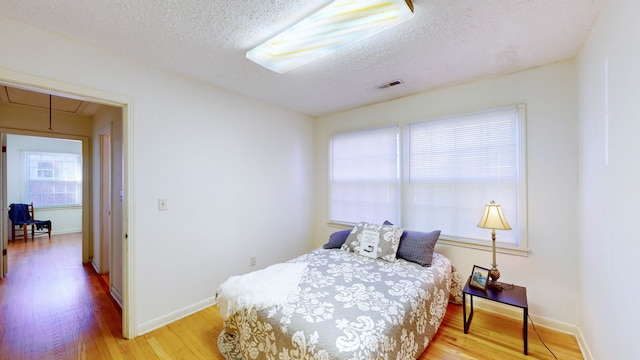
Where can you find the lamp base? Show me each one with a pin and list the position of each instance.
(494, 286)
(494, 275)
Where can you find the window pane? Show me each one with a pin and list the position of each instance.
(364, 180)
(455, 166)
(452, 168)
(53, 179)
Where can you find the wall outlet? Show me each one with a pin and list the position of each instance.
(252, 261)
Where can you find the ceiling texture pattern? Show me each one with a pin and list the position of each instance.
(447, 42)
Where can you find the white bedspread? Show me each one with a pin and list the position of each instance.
(260, 289)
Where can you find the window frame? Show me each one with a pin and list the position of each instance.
(396, 181)
(521, 246)
(55, 170)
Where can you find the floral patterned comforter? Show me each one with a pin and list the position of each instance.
(348, 307)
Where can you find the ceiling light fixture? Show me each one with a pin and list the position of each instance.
(328, 29)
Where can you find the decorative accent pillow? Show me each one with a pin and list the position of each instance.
(337, 239)
(374, 241)
(418, 246)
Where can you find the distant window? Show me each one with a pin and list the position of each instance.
(53, 179)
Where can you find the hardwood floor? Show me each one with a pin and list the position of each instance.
(53, 307)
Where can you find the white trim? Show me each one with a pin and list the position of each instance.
(454, 242)
(539, 321)
(57, 87)
(584, 347)
(116, 295)
(94, 266)
(128, 248)
(4, 220)
(62, 232)
(484, 247)
(523, 200)
(174, 316)
(516, 313)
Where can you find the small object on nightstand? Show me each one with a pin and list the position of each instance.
(479, 278)
(507, 294)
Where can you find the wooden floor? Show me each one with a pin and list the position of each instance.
(53, 307)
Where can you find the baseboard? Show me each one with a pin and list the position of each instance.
(95, 267)
(174, 316)
(116, 295)
(65, 231)
(516, 313)
(539, 321)
(582, 342)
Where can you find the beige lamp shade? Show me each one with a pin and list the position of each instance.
(493, 218)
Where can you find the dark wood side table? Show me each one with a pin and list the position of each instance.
(510, 294)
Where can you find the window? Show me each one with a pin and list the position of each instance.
(53, 179)
(364, 176)
(452, 168)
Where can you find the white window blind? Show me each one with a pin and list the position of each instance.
(364, 182)
(456, 165)
(52, 179)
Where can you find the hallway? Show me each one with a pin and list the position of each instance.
(54, 307)
(51, 305)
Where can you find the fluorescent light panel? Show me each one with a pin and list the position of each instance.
(328, 29)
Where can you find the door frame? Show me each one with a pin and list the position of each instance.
(4, 220)
(105, 201)
(56, 87)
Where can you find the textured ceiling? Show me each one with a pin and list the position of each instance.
(447, 42)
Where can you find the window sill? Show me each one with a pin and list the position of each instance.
(341, 225)
(457, 243)
(485, 247)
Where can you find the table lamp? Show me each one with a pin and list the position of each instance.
(493, 219)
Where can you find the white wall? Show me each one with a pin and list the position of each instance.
(237, 173)
(609, 180)
(63, 220)
(549, 93)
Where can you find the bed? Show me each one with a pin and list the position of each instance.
(344, 305)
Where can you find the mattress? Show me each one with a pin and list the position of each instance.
(346, 306)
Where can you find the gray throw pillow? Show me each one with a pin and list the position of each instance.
(337, 239)
(418, 246)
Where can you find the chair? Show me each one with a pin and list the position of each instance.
(23, 215)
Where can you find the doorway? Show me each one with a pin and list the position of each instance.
(91, 228)
(47, 172)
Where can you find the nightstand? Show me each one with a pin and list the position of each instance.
(510, 294)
